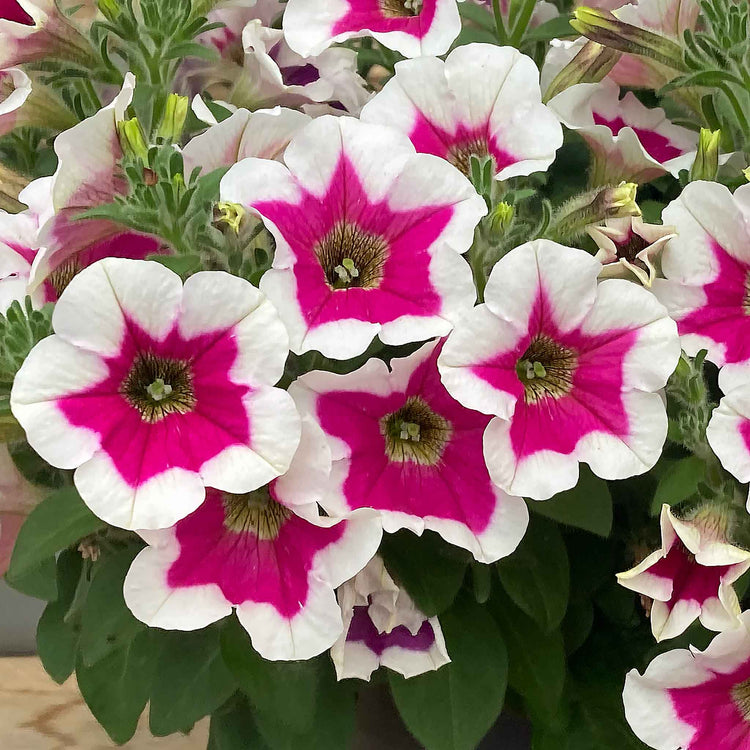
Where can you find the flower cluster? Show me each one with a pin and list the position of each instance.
(334, 332)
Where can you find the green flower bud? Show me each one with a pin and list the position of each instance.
(173, 121)
(590, 65)
(706, 163)
(501, 217)
(132, 139)
(230, 214)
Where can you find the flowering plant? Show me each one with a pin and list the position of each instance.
(360, 346)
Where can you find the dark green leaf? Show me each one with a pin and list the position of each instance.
(191, 681)
(429, 569)
(587, 506)
(183, 265)
(233, 728)
(678, 483)
(453, 708)
(56, 639)
(555, 28)
(116, 688)
(536, 576)
(59, 521)
(39, 582)
(106, 623)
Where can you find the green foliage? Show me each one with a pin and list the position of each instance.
(429, 569)
(679, 482)
(233, 728)
(453, 707)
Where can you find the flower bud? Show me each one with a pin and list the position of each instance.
(746, 172)
(620, 201)
(132, 139)
(706, 163)
(173, 120)
(604, 27)
(590, 65)
(230, 214)
(501, 217)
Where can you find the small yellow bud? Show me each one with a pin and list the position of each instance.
(230, 214)
(501, 217)
(620, 200)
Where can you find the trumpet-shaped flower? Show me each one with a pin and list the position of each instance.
(694, 700)
(368, 236)
(483, 101)
(411, 27)
(152, 390)
(569, 369)
(403, 446)
(707, 270)
(691, 576)
(383, 627)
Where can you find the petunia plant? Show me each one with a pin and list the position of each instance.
(381, 363)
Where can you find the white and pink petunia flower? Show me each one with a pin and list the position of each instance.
(411, 27)
(628, 141)
(728, 432)
(368, 236)
(403, 446)
(568, 367)
(383, 627)
(263, 134)
(707, 267)
(34, 30)
(253, 553)
(629, 248)
(691, 576)
(483, 100)
(235, 15)
(15, 87)
(152, 390)
(694, 700)
(88, 175)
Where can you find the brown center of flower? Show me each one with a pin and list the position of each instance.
(629, 249)
(415, 433)
(351, 257)
(741, 696)
(254, 512)
(459, 154)
(63, 275)
(400, 8)
(158, 386)
(546, 369)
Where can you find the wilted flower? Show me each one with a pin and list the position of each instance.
(15, 87)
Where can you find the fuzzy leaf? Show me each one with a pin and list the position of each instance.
(678, 483)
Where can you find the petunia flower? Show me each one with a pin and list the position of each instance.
(691, 576)
(152, 390)
(18, 497)
(263, 134)
(35, 30)
(403, 446)
(694, 700)
(483, 100)
(88, 175)
(411, 27)
(383, 627)
(629, 247)
(728, 432)
(253, 552)
(15, 87)
(707, 268)
(628, 140)
(569, 368)
(368, 236)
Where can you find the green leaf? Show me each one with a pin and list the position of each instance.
(555, 28)
(587, 506)
(678, 483)
(183, 265)
(295, 704)
(478, 15)
(116, 688)
(233, 728)
(536, 659)
(429, 569)
(454, 707)
(56, 639)
(536, 576)
(106, 623)
(39, 582)
(191, 681)
(59, 521)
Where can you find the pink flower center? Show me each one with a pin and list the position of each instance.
(459, 154)
(400, 8)
(546, 370)
(158, 386)
(351, 257)
(254, 512)
(415, 433)
(741, 696)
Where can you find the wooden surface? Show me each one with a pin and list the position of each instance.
(37, 714)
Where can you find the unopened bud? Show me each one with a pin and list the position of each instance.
(746, 172)
(173, 120)
(706, 163)
(604, 27)
(110, 9)
(132, 139)
(501, 217)
(590, 65)
(230, 214)
(620, 201)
